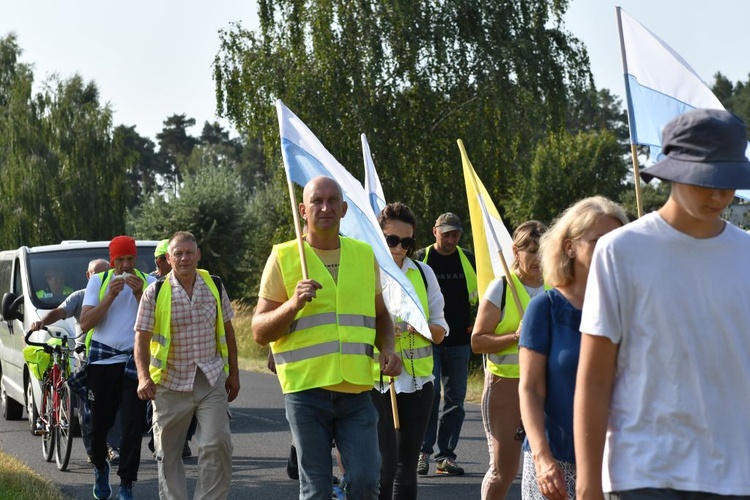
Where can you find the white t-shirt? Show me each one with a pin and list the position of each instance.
(116, 327)
(679, 308)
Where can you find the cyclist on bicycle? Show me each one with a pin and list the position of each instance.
(71, 307)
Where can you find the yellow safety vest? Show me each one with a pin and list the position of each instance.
(162, 335)
(65, 291)
(332, 338)
(106, 276)
(505, 363)
(412, 347)
(469, 273)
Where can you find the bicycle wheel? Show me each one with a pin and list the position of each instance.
(47, 414)
(64, 428)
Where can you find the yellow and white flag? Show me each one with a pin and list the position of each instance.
(490, 234)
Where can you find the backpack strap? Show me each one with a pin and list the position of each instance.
(217, 283)
(421, 271)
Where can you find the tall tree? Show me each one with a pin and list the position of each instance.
(414, 76)
(569, 167)
(63, 177)
(175, 145)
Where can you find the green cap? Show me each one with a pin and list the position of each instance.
(161, 248)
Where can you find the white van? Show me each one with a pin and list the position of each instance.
(26, 287)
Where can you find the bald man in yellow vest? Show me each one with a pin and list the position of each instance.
(322, 331)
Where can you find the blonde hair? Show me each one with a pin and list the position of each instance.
(572, 224)
(525, 236)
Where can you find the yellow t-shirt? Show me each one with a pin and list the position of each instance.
(272, 288)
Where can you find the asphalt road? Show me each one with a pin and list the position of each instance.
(261, 444)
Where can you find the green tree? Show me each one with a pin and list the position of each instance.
(145, 165)
(63, 176)
(414, 76)
(175, 146)
(567, 168)
(211, 205)
(653, 196)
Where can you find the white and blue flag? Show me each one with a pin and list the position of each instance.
(659, 85)
(305, 157)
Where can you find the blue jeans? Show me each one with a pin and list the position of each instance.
(451, 370)
(318, 418)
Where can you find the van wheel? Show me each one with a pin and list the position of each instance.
(12, 409)
(32, 414)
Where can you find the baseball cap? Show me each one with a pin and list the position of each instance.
(161, 248)
(448, 222)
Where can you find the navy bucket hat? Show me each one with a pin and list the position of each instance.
(704, 147)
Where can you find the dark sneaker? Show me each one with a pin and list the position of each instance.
(102, 489)
(186, 451)
(125, 492)
(292, 468)
(448, 467)
(113, 455)
(423, 464)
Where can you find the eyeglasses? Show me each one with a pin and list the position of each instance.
(393, 241)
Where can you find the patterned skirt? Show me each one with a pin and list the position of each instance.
(529, 488)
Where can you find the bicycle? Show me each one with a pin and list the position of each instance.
(55, 423)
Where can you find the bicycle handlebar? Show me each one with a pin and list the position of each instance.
(49, 348)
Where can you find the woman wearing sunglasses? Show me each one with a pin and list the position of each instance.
(399, 450)
(496, 332)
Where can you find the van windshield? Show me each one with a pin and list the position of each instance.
(55, 275)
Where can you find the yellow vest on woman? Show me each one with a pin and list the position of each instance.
(412, 347)
(505, 363)
(332, 339)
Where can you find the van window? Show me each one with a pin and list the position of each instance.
(55, 275)
(5, 268)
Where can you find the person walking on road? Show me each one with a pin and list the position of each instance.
(456, 273)
(186, 353)
(71, 308)
(322, 331)
(415, 385)
(110, 305)
(495, 335)
(661, 407)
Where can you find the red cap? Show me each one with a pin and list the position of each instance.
(120, 246)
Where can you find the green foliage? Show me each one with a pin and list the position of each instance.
(735, 97)
(63, 174)
(653, 196)
(269, 221)
(567, 168)
(211, 205)
(414, 76)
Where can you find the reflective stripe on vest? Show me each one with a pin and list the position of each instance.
(505, 363)
(314, 351)
(106, 277)
(470, 275)
(332, 338)
(161, 337)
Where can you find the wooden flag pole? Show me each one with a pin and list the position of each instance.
(394, 405)
(297, 230)
(636, 179)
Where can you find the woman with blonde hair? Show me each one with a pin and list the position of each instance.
(496, 333)
(550, 343)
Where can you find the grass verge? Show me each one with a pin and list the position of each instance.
(19, 482)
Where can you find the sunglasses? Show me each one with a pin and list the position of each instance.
(393, 241)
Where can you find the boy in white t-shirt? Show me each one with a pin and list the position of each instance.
(661, 405)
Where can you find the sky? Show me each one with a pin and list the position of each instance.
(152, 59)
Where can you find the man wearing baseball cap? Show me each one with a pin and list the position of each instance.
(661, 405)
(456, 273)
(110, 305)
(160, 259)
